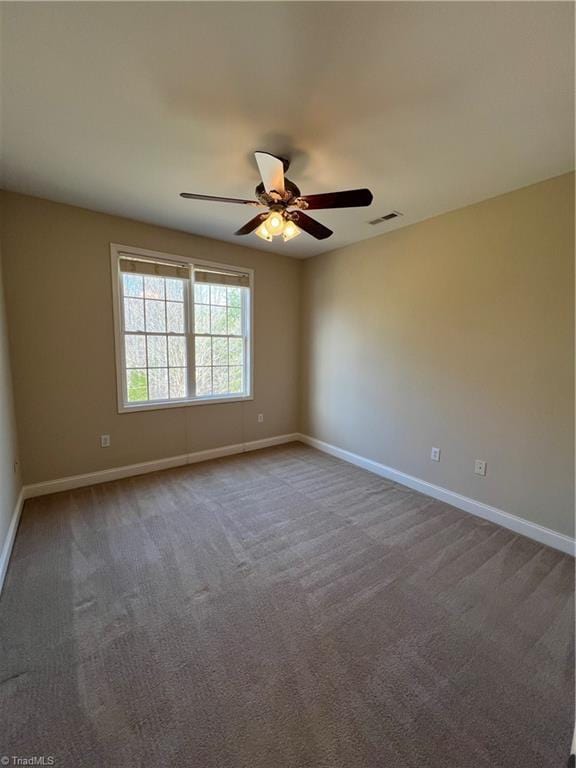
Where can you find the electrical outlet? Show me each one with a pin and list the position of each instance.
(260, 418)
(435, 454)
(104, 441)
(480, 467)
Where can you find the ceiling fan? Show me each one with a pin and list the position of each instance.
(286, 205)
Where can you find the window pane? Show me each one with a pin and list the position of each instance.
(202, 319)
(177, 350)
(203, 381)
(218, 319)
(220, 352)
(137, 385)
(133, 285)
(177, 382)
(220, 380)
(218, 294)
(174, 290)
(135, 348)
(158, 383)
(234, 321)
(233, 296)
(236, 354)
(235, 374)
(157, 352)
(203, 350)
(175, 316)
(155, 318)
(154, 287)
(158, 325)
(201, 293)
(133, 315)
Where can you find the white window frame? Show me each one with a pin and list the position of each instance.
(116, 252)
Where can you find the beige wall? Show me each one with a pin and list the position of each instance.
(58, 285)
(458, 333)
(9, 478)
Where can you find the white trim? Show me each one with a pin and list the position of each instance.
(512, 522)
(518, 525)
(116, 251)
(160, 405)
(131, 470)
(146, 254)
(10, 537)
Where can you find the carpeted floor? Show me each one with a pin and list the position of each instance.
(281, 609)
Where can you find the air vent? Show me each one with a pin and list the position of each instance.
(387, 217)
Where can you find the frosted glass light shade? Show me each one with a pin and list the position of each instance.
(263, 233)
(275, 223)
(290, 231)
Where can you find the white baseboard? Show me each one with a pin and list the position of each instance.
(130, 470)
(10, 538)
(512, 522)
(505, 519)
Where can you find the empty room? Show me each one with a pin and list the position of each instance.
(287, 384)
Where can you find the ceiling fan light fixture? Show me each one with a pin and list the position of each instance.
(263, 233)
(290, 231)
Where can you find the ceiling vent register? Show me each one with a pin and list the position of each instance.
(386, 217)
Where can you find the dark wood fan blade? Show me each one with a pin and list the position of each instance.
(251, 225)
(351, 198)
(313, 227)
(191, 196)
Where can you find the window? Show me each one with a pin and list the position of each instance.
(182, 330)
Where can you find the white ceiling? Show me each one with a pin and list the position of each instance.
(119, 107)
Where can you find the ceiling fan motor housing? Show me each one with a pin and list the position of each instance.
(272, 199)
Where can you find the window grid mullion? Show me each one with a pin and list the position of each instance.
(211, 342)
(166, 340)
(190, 338)
(220, 335)
(146, 339)
(152, 333)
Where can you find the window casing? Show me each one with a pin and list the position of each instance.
(183, 330)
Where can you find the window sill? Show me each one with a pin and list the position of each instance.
(162, 404)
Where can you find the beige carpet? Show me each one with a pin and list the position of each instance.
(281, 609)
